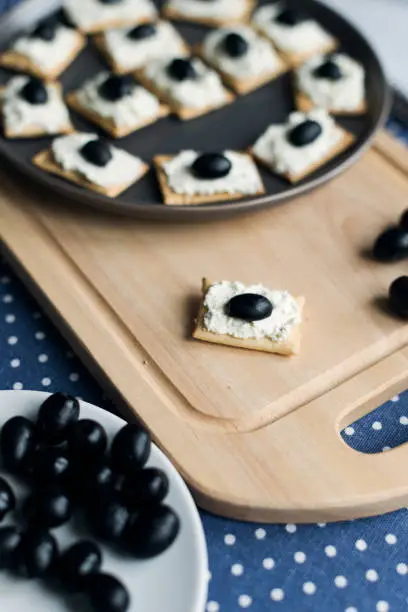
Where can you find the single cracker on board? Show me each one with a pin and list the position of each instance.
(33, 131)
(107, 124)
(291, 346)
(21, 63)
(243, 86)
(45, 161)
(171, 198)
(294, 60)
(185, 113)
(305, 104)
(173, 14)
(117, 68)
(344, 144)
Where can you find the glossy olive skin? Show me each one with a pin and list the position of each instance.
(398, 296)
(235, 45)
(97, 152)
(7, 498)
(181, 69)
(391, 245)
(117, 87)
(210, 166)
(87, 440)
(47, 508)
(34, 92)
(130, 449)
(37, 553)
(18, 441)
(328, 70)
(290, 17)
(94, 480)
(50, 466)
(304, 133)
(150, 486)
(79, 560)
(105, 593)
(55, 416)
(108, 518)
(152, 531)
(10, 540)
(142, 31)
(249, 307)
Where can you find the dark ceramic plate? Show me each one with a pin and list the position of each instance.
(235, 127)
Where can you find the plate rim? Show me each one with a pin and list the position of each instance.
(201, 595)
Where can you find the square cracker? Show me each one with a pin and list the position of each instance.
(113, 24)
(171, 198)
(294, 60)
(107, 124)
(184, 113)
(45, 161)
(305, 104)
(346, 141)
(33, 131)
(21, 63)
(176, 15)
(244, 86)
(100, 44)
(291, 346)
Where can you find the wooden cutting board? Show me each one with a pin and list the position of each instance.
(257, 436)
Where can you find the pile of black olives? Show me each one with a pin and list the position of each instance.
(392, 245)
(70, 468)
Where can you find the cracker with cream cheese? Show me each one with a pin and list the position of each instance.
(288, 345)
(205, 13)
(92, 16)
(176, 197)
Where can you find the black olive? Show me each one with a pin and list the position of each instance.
(404, 220)
(10, 540)
(304, 133)
(63, 19)
(7, 498)
(56, 415)
(117, 87)
(235, 45)
(18, 442)
(93, 480)
(87, 440)
(34, 91)
(130, 449)
(108, 518)
(97, 152)
(290, 17)
(209, 166)
(47, 508)
(181, 69)
(149, 486)
(328, 70)
(249, 307)
(46, 29)
(50, 466)
(398, 296)
(105, 593)
(82, 558)
(152, 531)
(143, 31)
(391, 245)
(37, 553)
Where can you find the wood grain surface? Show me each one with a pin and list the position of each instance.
(256, 435)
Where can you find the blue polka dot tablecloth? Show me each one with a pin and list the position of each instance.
(358, 566)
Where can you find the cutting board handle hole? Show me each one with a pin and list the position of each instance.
(380, 430)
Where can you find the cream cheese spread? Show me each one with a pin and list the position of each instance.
(285, 315)
(132, 54)
(305, 37)
(138, 107)
(243, 177)
(218, 9)
(88, 14)
(260, 58)
(48, 55)
(20, 115)
(276, 151)
(346, 94)
(122, 169)
(204, 91)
